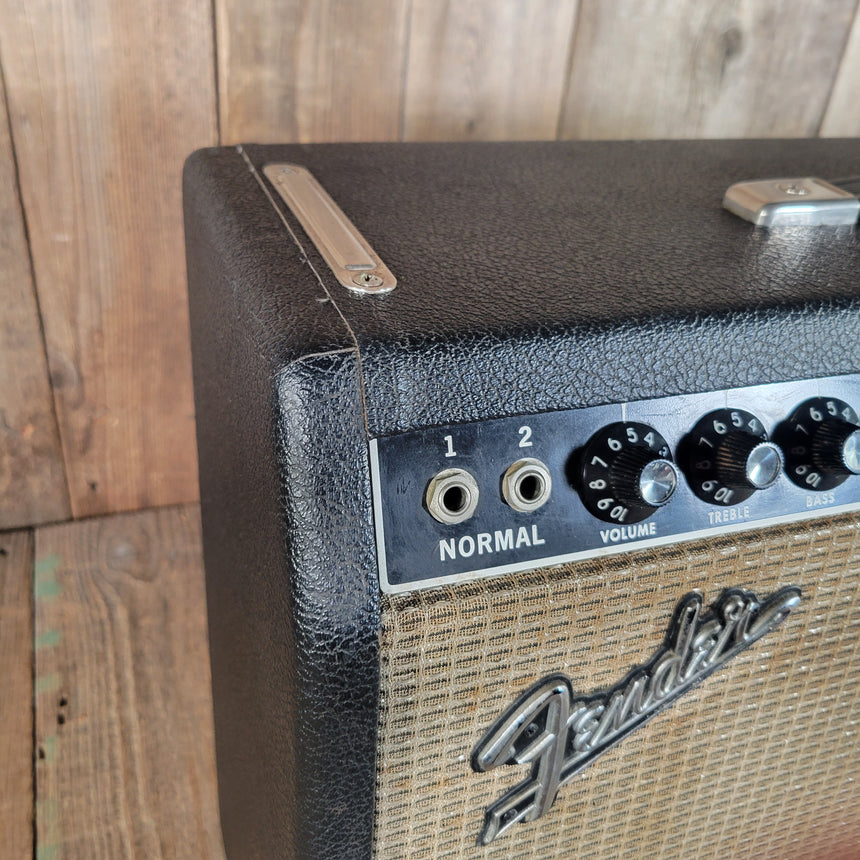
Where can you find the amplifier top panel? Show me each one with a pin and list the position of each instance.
(510, 236)
(543, 276)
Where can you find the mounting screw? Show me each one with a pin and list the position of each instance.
(795, 189)
(367, 280)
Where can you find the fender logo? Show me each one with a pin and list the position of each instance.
(559, 734)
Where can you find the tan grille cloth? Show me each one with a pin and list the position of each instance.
(762, 760)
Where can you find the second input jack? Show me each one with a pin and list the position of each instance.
(526, 485)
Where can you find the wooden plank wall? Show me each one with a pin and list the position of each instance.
(32, 476)
(105, 99)
(16, 694)
(713, 69)
(310, 70)
(106, 736)
(123, 714)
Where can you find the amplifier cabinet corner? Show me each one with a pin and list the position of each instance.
(530, 479)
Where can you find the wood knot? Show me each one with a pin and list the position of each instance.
(131, 554)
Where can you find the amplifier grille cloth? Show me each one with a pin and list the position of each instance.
(762, 760)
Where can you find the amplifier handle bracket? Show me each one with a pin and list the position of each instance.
(354, 263)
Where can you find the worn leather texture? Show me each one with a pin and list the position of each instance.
(531, 276)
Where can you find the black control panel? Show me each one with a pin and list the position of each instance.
(497, 496)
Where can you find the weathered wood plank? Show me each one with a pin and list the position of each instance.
(310, 70)
(16, 695)
(125, 762)
(842, 117)
(703, 68)
(106, 99)
(32, 478)
(487, 69)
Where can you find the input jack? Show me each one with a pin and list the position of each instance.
(526, 485)
(451, 496)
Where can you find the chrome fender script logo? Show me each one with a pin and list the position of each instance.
(559, 734)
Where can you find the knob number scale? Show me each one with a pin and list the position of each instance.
(821, 440)
(627, 473)
(561, 486)
(728, 457)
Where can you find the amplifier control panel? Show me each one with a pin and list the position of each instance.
(489, 497)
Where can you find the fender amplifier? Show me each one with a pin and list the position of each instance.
(530, 479)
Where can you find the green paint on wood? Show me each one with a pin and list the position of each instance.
(48, 564)
(48, 639)
(46, 585)
(47, 820)
(46, 810)
(48, 749)
(47, 683)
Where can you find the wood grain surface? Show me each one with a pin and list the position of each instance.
(106, 100)
(703, 68)
(487, 69)
(842, 117)
(125, 765)
(310, 70)
(16, 695)
(32, 476)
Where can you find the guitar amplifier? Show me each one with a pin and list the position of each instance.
(530, 480)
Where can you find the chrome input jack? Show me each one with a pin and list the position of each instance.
(451, 496)
(526, 485)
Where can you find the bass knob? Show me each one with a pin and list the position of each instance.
(821, 441)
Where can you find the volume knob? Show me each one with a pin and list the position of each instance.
(729, 457)
(627, 473)
(821, 440)
(640, 476)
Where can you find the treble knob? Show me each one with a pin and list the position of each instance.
(729, 457)
(627, 473)
(821, 440)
